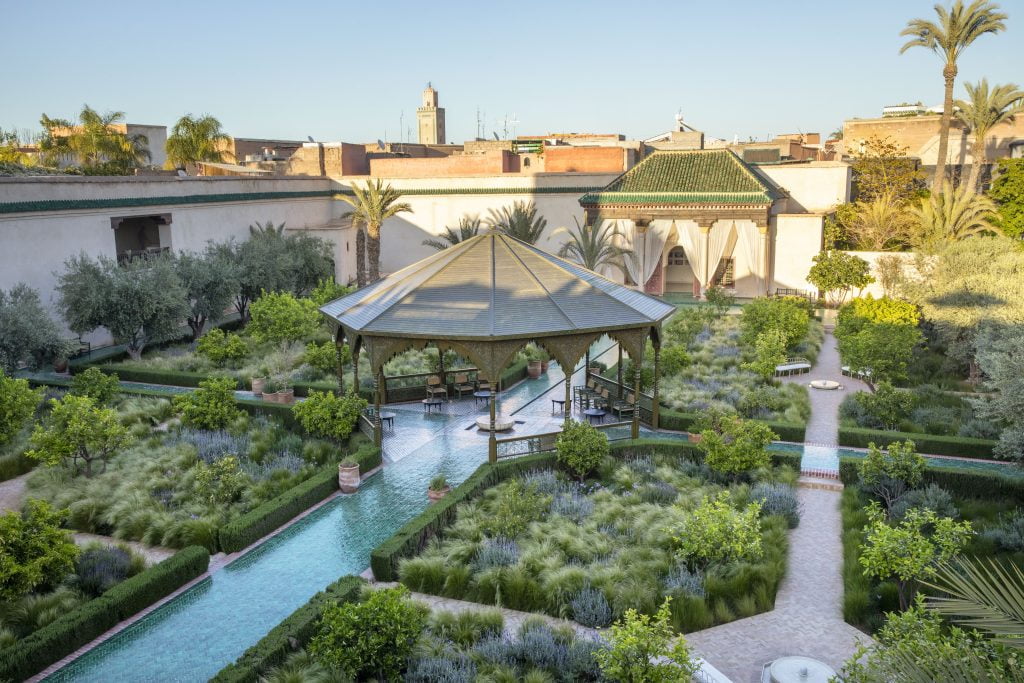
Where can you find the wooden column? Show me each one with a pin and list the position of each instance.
(567, 406)
(492, 442)
(635, 429)
(655, 408)
(340, 366)
(440, 368)
(355, 371)
(619, 370)
(378, 432)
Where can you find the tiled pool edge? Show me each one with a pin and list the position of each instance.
(217, 562)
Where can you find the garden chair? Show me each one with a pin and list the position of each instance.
(463, 385)
(601, 399)
(435, 388)
(625, 408)
(482, 384)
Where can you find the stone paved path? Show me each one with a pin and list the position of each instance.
(808, 615)
(12, 492)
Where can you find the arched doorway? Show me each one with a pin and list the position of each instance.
(678, 273)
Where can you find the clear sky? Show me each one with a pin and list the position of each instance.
(347, 70)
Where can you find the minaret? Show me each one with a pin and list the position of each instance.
(431, 119)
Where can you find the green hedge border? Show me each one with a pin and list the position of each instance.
(681, 422)
(417, 532)
(94, 618)
(926, 443)
(959, 481)
(257, 523)
(294, 632)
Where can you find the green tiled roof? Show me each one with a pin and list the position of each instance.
(714, 176)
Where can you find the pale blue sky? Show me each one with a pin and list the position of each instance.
(346, 70)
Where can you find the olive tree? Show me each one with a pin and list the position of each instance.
(1000, 359)
(140, 301)
(210, 284)
(27, 332)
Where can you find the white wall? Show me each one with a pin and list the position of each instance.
(796, 240)
(817, 186)
(875, 288)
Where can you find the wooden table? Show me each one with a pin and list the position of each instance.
(558, 405)
(595, 414)
(481, 396)
(387, 417)
(431, 403)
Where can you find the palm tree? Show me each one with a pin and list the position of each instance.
(880, 224)
(951, 215)
(988, 596)
(196, 139)
(593, 246)
(520, 222)
(266, 229)
(372, 205)
(94, 142)
(984, 110)
(958, 27)
(469, 226)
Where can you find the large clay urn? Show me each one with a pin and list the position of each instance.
(348, 477)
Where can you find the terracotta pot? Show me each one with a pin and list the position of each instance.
(348, 478)
(435, 496)
(257, 385)
(544, 365)
(286, 396)
(60, 364)
(693, 438)
(533, 369)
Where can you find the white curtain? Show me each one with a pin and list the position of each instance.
(646, 247)
(750, 247)
(690, 239)
(719, 239)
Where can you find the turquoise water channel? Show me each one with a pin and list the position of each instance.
(195, 635)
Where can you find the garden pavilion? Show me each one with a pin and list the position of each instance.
(485, 299)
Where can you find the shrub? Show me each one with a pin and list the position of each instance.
(326, 356)
(36, 551)
(673, 359)
(257, 523)
(590, 608)
(888, 474)
(932, 497)
(220, 482)
(102, 567)
(938, 445)
(78, 430)
(517, 506)
(221, 347)
(769, 353)
(369, 638)
(281, 318)
(88, 621)
(886, 405)
(683, 581)
(883, 349)
(785, 314)
(1008, 534)
(760, 401)
(740, 446)
(97, 385)
(836, 272)
(211, 406)
(717, 533)
(644, 648)
(327, 290)
(325, 414)
(455, 668)
(860, 311)
(17, 404)
(778, 499)
(496, 552)
(581, 447)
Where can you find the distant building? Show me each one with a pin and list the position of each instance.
(155, 140)
(431, 119)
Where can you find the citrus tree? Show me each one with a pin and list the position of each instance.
(645, 649)
(78, 431)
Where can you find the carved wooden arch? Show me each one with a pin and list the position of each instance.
(568, 349)
(632, 341)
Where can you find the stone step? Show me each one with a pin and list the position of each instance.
(817, 482)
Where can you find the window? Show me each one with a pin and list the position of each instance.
(677, 257)
(141, 236)
(526, 161)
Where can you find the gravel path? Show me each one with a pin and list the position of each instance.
(12, 493)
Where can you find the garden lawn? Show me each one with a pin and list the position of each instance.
(176, 486)
(589, 552)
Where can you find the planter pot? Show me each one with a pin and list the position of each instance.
(257, 385)
(348, 478)
(435, 496)
(544, 365)
(693, 438)
(533, 369)
(594, 370)
(60, 364)
(286, 396)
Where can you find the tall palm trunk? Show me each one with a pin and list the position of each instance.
(373, 256)
(949, 74)
(980, 159)
(360, 257)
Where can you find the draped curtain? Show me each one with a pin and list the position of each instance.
(750, 246)
(645, 247)
(690, 240)
(719, 239)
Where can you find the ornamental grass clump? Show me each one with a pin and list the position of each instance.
(496, 552)
(778, 499)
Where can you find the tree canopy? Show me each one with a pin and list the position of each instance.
(27, 332)
(194, 139)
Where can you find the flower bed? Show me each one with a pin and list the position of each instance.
(538, 542)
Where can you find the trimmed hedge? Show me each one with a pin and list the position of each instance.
(931, 444)
(681, 422)
(90, 620)
(417, 532)
(257, 523)
(959, 481)
(294, 632)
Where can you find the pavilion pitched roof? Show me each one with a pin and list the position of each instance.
(491, 287)
(707, 176)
